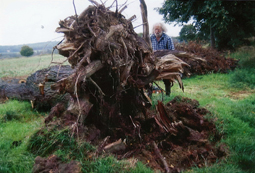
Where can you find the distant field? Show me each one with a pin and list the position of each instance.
(25, 66)
(39, 49)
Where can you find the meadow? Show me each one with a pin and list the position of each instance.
(25, 66)
(230, 97)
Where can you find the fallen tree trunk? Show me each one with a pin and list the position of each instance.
(37, 88)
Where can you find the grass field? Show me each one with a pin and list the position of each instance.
(25, 66)
(233, 107)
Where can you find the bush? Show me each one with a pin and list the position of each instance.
(244, 75)
(26, 51)
(242, 78)
(247, 63)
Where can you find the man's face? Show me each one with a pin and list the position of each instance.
(158, 31)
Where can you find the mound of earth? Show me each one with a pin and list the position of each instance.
(190, 140)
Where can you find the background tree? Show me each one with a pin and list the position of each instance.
(192, 33)
(188, 33)
(26, 51)
(228, 22)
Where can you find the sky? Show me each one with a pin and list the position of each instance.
(32, 21)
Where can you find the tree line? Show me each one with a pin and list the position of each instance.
(227, 24)
(38, 48)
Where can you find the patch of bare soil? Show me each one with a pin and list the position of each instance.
(240, 94)
(53, 164)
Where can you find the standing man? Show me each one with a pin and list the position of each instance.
(160, 40)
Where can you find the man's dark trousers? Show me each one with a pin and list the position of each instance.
(167, 86)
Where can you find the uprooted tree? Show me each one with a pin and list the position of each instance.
(113, 66)
(105, 94)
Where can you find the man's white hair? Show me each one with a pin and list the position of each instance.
(164, 29)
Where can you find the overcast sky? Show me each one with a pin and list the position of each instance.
(32, 21)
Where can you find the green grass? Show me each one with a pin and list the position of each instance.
(112, 165)
(244, 75)
(26, 66)
(14, 136)
(202, 88)
(47, 141)
(243, 78)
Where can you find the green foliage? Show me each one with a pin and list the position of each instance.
(26, 51)
(243, 78)
(247, 63)
(244, 75)
(231, 21)
(190, 33)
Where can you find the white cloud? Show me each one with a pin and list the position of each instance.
(31, 21)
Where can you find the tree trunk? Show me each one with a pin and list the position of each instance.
(37, 88)
(146, 35)
(212, 37)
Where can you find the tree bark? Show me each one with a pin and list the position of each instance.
(45, 98)
(146, 35)
(212, 37)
